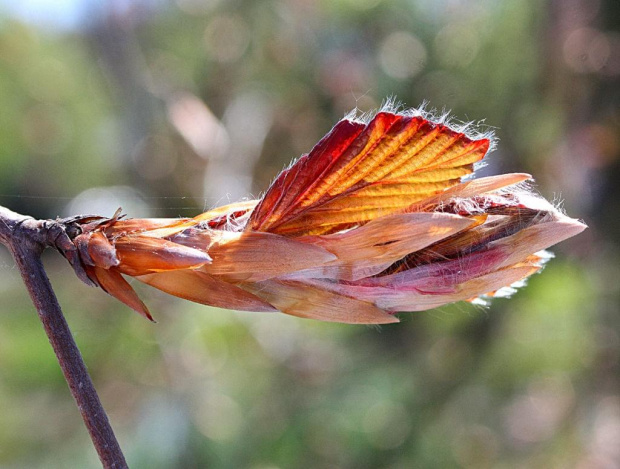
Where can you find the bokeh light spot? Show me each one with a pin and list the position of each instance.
(457, 45)
(219, 417)
(402, 55)
(586, 50)
(227, 38)
(47, 129)
(106, 200)
(155, 157)
(387, 425)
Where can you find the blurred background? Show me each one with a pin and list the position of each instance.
(168, 108)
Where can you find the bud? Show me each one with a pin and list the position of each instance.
(375, 220)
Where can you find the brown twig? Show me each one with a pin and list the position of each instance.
(26, 238)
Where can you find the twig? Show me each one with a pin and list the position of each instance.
(26, 238)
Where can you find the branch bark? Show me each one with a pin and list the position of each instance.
(26, 238)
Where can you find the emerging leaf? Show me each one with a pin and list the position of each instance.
(375, 220)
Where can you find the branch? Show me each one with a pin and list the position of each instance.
(26, 238)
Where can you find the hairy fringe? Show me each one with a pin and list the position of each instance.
(474, 130)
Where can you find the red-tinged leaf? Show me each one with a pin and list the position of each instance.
(299, 181)
(112, 282)
(307, 301)
(141, 255)
(203, 288)
(393, 162)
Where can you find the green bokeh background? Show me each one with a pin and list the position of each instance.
(170, 108)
